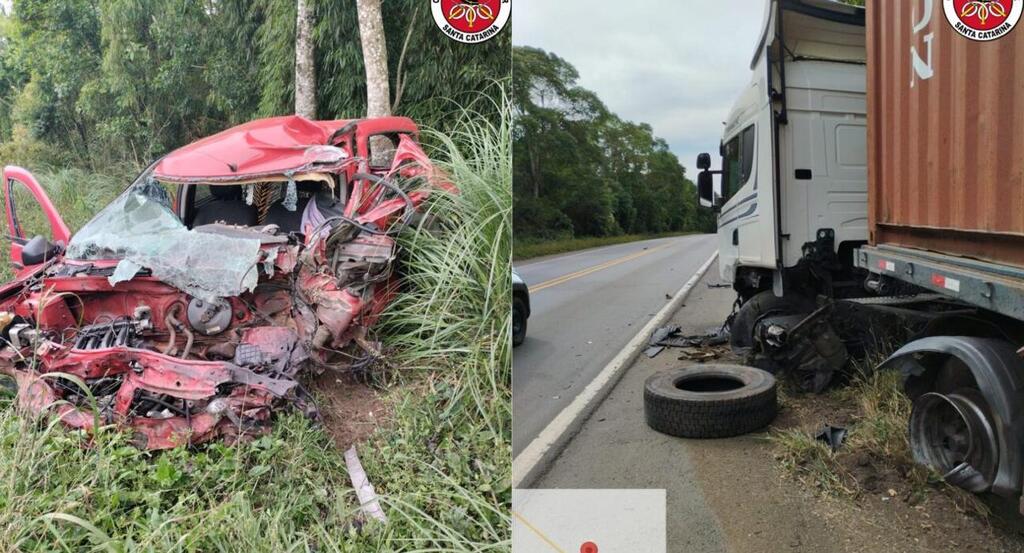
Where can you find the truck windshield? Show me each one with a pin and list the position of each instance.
(737, 162)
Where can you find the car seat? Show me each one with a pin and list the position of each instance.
(226, 207)
(291, 221)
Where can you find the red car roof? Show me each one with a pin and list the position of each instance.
(260, 147)
(274, 145)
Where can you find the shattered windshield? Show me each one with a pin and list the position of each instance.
(141, 230)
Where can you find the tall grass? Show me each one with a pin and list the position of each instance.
(442, 468)
(881, 416)
(455, 304)
(452, 322)
(877, 436)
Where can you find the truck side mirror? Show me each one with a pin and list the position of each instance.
(704, 161)
(706, 190)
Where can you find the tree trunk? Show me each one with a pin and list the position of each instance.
(305, 64)
(375, 58)
(535, 173)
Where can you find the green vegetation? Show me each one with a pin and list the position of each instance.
(98, 83)
(111, 496)
(580, 170)
(882, 415)
(525, 248)
(449, 454)
(876, 456)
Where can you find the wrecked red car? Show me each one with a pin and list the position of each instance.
(187, 308)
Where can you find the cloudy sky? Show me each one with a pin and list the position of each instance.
(675, 64)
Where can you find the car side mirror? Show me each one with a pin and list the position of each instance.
(704, 161)
(38, 250)
(706, 190)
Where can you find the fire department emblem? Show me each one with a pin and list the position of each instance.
(471, 21)
(983, 20)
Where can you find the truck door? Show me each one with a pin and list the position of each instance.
(746, 224)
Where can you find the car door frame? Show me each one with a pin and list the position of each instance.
(59, 232)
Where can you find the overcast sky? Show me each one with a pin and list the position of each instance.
(675, 64)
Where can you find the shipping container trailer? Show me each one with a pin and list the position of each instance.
(946, 215)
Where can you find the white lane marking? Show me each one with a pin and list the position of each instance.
(533, 460)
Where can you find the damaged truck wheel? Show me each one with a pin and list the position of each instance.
(710, 401)
(741, 331)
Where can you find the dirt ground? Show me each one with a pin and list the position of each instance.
(756, 500)
(351, 410)
(942, 518)
(884, 512)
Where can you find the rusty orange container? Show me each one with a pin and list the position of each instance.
(945, 134)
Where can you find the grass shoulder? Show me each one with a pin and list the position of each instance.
(873, 475)
(526, 248)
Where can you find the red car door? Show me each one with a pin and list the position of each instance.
(21, 189)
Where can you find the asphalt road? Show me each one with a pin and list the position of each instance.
(585, 307)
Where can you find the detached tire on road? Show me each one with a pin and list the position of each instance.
(710, 401)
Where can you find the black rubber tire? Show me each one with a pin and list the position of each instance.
(741, 331)
(518, 322)
(687, 413)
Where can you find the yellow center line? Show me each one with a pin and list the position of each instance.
(540, 534)
(584, 272)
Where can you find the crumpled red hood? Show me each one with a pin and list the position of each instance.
(266, 146)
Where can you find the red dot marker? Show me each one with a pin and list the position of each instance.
(588, 547)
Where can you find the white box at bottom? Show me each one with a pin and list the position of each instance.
(588, 521)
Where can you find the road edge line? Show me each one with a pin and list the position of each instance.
(533, 461)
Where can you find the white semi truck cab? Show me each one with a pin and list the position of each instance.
(792, 193)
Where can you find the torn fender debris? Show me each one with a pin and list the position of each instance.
(832, 436)
(672, 337)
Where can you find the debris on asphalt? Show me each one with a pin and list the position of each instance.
(833, 436)
(702, 355)
(671, 337)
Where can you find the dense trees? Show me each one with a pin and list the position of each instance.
(94, 82)
(579, 170)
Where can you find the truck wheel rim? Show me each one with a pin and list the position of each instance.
(953, 434)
